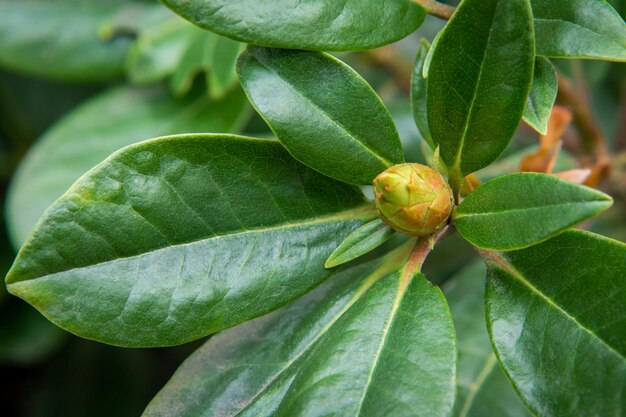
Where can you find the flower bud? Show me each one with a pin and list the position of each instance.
(413, 199)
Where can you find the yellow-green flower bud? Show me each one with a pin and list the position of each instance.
(413, 199)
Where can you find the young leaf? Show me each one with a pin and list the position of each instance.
(542, 96)
(212, 54)
(101, 126)
(363, 240)
(589, 29)
(159, 48)
(314, 25)
(418, 93)
(175, 238)
(325, 114)
(522, 209)
(556, 318)
(483, 389)
(65, 39)
(478, 82)
(365, 343)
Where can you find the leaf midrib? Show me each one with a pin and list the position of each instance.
(475, 387)
(498, 261)
(355, 213)
(601, 35)
(516, 210)
(373, 277)
(401, 291)
(459, 154)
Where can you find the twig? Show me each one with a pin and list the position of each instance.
(591, 135)
(422, 248)
(435, 8)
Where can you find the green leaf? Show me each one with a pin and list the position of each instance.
(315, 25)
(428, 59)
(483, 389)
(365, 343)
(589, 29)
(556, 318)
(522, 209)
(221, 60)
(104, 124)
(159, 48)
(418, 93)
(478, 82)
(72, 40)
(542, 96)
(325, 114)
(169, 46)
(214, 55)
(363, 240)
(171, 239)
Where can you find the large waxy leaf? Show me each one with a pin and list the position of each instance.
(324, 113)
(522, 209)
(579, 29)
(418, 93)
(556, 318)
(66, 39)
(315, 24)
(172, 239)
(542, 96)
(483, 389)
(101, 126)
(366, 343)
(479, 80)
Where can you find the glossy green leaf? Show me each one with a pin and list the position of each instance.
(365, 343)
(418, 93)
(315, 25)
(483, 389)
(325, 114)
(93, 131)
(542, 96)
(363, 240)
(579, 29)
(478, 82)
(74, 40)
(522, 209)
(175, 238)
(556, 318)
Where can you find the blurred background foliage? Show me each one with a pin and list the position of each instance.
(80, 79)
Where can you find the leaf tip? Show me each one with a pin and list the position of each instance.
(332, 262)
